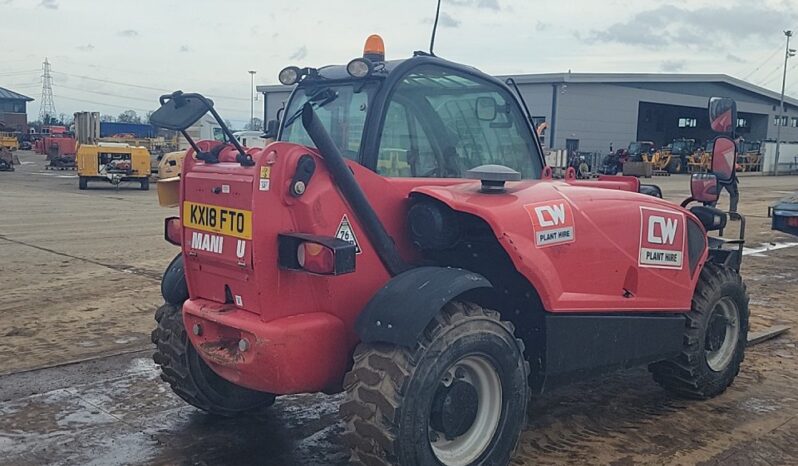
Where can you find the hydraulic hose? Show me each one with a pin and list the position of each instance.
(343, 177)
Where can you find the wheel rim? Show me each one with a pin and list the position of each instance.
(722, 335)
(459, 432)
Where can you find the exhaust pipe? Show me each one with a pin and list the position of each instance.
(343, 177)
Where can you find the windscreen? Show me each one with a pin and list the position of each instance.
(340, 108)
(441, 123)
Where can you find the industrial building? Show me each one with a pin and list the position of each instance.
(13, 111)
(593, 111)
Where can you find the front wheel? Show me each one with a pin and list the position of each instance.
(715, 337)
(457, 398)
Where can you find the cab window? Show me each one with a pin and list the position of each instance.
(441, 123)
(341, 108)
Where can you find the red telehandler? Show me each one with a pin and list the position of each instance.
(403, 241)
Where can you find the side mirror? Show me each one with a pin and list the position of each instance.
(722, 114)
(704, 187)
(179, 111)
(486, 108)
(723, 158)
(270, 132)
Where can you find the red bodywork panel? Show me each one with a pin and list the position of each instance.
(299, 327)
(590, 268)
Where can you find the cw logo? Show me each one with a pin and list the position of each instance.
(667, 229)
(550, 215)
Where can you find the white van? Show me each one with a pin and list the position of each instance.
(250, 138)
(205, 128)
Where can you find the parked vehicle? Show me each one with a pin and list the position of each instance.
(439, 289)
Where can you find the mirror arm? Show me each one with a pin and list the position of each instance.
(242, 157)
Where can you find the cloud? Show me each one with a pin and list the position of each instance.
(299, 54)
(541, 26)
(444, 21)
(489, 4)
(672, 66)
(735, 59)
(710, 26)
(6, 2)
(184, 49)
(128, 33)
(85, 48)
(51, 4)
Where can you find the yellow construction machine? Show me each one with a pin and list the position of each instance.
(9, 141)
(113, 163)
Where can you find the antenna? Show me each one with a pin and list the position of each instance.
(47, 106)
(434, 28)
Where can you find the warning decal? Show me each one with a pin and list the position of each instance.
(347, 233)
(661, 238)
(552, 222)
(265, 178)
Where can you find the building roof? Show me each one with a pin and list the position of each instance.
(610, 78)
(11, 95)
(620, 78)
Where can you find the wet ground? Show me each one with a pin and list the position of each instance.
(77, 386)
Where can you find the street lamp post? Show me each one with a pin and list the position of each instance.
(252, 99)
(788, 52)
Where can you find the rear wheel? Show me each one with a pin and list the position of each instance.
(191, 378)
(458, 398)
(83, 182)
(714, 340)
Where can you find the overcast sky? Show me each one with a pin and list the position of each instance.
(134, 51)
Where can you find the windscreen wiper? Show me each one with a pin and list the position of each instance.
(317, 100)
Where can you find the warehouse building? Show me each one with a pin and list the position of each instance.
(593, 111)
(13, 111)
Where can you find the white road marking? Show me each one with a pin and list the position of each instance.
(766, 247)
(54, 174)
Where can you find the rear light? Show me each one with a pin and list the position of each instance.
(322, 255)
(792, 221)
(173, 230)
(315, 258)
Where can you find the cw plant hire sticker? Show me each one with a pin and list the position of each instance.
(552, 222)
(661, 238)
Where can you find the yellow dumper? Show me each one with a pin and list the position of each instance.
(9, 141)
(113, 163)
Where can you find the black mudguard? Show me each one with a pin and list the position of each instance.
(403, 308)
(173, 284)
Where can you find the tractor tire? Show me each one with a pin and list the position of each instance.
(675, 165)
(191, 378)
(145, 184)
(437, 403)
(173, 283)
(715, 337)
(83, 182)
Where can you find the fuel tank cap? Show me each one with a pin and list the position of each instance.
(493, 177)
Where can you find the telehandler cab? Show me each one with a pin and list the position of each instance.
(403, 241)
